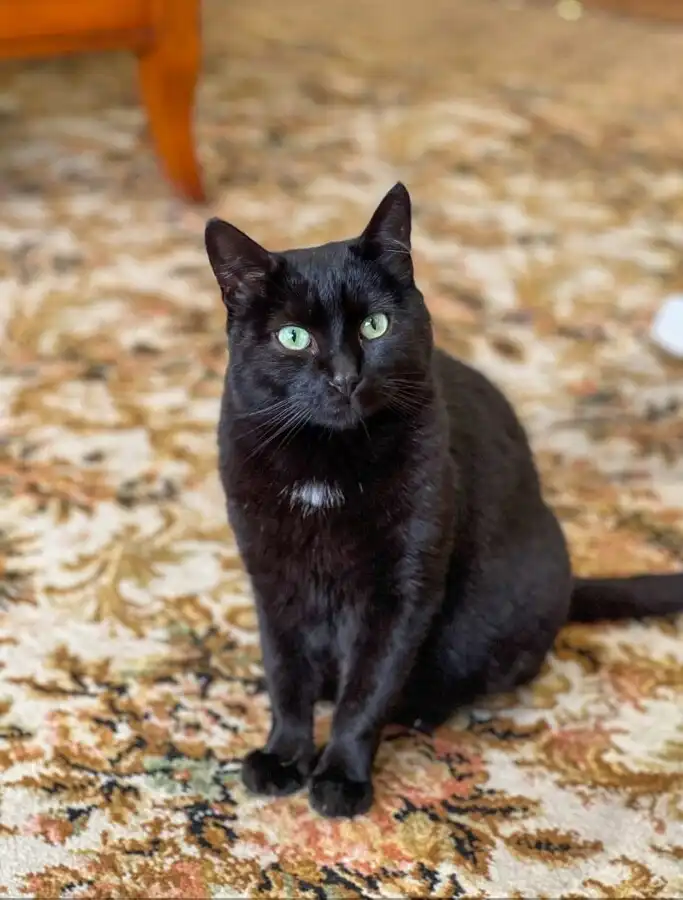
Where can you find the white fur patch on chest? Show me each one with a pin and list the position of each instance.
(316, 495)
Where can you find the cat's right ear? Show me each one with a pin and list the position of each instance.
(241, 266)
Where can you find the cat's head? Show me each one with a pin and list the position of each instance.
(337, 332)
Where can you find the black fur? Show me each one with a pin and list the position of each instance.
(434, 572)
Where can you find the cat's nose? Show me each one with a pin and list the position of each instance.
(346, 384)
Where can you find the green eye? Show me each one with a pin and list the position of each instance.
(374, 326)
(292, 337)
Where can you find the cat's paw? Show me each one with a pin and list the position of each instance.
(335, 796)
(266, 773)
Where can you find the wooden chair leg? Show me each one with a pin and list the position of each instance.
(169, 70)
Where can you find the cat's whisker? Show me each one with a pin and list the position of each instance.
(407, 405)
(405, 389)
(275, 420)
(415, 387)
(365, 429)
(297, 419)
(279, 425)
(413, 378)
(272, 427)
(405, 394)
(296, 428)
(263, 410)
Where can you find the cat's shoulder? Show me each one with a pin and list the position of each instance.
(474, 402)
(457, 378)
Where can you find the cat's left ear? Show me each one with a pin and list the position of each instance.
(241, 266)
(390, 222)
(387, 236)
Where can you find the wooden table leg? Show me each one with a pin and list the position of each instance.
(169, 70)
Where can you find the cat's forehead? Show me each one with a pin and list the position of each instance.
(331, 281)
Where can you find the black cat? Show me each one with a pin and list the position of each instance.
(386, 506)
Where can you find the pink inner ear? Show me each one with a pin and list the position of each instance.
(237, 273)
(236, 259)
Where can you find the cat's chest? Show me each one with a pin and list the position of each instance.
(305, 511)
(309, 496)
(328, 508)
(313, 488)
(316, 524)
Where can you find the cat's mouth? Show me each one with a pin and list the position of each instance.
(346, 412)
(342, 414)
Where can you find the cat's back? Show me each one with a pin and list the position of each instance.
(487, 439)
(468, 393)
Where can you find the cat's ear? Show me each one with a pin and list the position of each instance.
(241, 266)
(387, 236)
(390, 222)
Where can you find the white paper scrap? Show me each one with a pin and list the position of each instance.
(667, 328)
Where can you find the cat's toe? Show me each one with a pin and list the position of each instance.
(335, 796)
(265, 773)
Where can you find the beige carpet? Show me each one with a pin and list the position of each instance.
(545, 160)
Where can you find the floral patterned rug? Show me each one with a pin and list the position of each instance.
(545, 161)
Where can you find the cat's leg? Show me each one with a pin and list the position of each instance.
(282, 767)
(381, 637)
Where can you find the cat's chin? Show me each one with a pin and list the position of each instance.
(340, 420)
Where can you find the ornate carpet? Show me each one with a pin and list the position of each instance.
(545, 162)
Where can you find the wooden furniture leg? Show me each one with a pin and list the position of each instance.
(169, 69)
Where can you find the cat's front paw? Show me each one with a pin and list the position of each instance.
(335, 796)
(266, 773)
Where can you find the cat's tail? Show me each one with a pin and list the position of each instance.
(596, 599)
